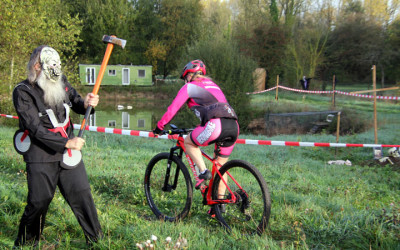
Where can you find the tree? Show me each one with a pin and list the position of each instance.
(217, 18)
(355, 44)
(266, 46)
(230, 69)
(103, 17)
(156, 52)
(145, 31)
(181, 25)
(290, 9)
(377, 11)
(392, 53)
(247, 15)
(48, 24)
(308, 46)
(274, 12)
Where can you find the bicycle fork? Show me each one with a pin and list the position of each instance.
(167, 187)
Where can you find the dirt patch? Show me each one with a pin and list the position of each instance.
(261, 127)
(257, 126)
(392, 162)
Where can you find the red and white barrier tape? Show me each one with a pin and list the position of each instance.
(311, 144)
(239, 141)
(262, 91)
(369, 96)
(306, 91)
(9, 116)
(328, 92)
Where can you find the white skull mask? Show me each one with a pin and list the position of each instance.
(51, 63)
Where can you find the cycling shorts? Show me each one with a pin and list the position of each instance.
(221, 131)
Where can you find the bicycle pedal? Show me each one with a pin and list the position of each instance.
(199, 184)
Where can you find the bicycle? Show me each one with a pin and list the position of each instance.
(169, 190)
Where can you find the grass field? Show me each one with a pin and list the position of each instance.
(314, 205)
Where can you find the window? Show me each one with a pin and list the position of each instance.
(90, 76)
(142, 73)
(112, 72)
(140, 123)
(125, 76)
(112, 123)
(125, 120)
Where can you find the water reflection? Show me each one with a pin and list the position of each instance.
(137, 115)
(125, 115)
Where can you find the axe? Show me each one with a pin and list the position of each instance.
(71, 158)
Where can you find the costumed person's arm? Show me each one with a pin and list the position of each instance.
(28, 115)
(79, 104)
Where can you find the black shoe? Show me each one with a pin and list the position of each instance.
(206, 175)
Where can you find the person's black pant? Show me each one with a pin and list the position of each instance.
(43, 179)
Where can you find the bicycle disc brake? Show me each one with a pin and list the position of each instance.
(242, 200)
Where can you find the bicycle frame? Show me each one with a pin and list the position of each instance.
(205, 190)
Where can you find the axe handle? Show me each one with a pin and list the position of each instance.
(96, 87)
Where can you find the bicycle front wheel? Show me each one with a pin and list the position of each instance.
(168, 187)
(251, 211)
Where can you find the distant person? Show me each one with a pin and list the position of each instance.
(305, 83)
(218, 120)
(43, 102)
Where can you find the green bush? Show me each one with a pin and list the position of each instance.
(231, 70)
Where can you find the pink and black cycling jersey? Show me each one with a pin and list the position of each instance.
(204, 98)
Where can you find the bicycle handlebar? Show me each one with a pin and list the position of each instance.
(176, 131)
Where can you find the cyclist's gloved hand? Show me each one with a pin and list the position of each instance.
(157, 131)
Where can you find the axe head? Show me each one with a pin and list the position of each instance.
(114, 40)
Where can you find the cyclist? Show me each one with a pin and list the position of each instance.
(218, 121)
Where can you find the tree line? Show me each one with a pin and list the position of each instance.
(290, 38)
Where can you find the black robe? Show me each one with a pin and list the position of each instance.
(46, 146)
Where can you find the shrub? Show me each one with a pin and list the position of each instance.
(351, 122)
(231, 70)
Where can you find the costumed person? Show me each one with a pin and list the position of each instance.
(43, 102)
(305, 83)
(218, 120)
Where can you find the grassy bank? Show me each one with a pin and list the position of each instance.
(315, 205)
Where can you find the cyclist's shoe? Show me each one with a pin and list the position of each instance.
(203, 177)
(206, 175)
(211, 212)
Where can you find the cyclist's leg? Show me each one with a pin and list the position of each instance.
(223, 157)
(222, 186)
(202, 136)
(224, 147)
(195, 154)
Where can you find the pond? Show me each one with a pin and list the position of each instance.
(143, 114)
(129, 115)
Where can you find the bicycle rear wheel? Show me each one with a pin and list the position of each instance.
(169, 193)
(250, 214)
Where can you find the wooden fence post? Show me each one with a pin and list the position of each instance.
(338, 127)
(333, 88)
(375, 115)
(277, 87)
(337, 130)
